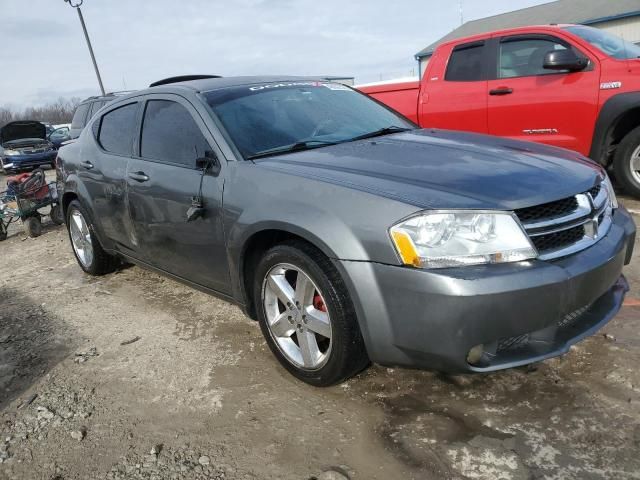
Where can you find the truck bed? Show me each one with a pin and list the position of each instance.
(401, 96)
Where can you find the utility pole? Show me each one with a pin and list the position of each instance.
(461, 15)
(77, 5)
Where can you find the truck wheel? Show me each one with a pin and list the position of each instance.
(626, 163)
(306, 315)
(56, 214)
(33, 226)
(89, 253)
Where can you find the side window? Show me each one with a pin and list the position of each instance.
(79, 117)
(466, 63)
(525, 58)
(170, 134)
(117, 128)
(95, 106)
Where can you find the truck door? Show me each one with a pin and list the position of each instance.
(161, 181)
(453, 92)
(528, 102)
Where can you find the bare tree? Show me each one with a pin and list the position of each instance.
(60, 111)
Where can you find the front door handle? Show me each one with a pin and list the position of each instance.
(138, 176)
(87, 165)
(501, 91)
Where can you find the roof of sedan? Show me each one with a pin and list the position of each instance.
(203, 85)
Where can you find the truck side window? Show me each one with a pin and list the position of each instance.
(79, 116)
(525, 58)
(170, 134)
(466, 63)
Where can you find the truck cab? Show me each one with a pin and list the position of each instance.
(569, 86)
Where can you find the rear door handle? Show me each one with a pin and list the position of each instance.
(501, 91)
(87, 165)
(138, 176)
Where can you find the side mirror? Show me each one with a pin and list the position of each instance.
(564, 60)
(209, 163)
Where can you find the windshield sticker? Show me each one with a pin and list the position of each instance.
(270, 86)
(337, 86)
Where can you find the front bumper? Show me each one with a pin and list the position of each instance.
(521, 312)
(16, 162)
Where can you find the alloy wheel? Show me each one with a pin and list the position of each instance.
(81, 238)
(635, 164)
(297, 316)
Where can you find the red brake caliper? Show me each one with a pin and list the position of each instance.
(318, 303)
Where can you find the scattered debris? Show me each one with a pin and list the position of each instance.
(130, 341)
(28, 401)
(333, 474)
(82, 357)
(79, 434)
(156, 449)
(204, 460)
(609, 337)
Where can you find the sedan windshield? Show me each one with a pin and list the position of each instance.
(608, 43)
(275, 118)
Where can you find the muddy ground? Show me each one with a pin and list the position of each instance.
(135, 376)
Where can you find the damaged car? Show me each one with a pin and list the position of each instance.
(24, 145)
(349, 233)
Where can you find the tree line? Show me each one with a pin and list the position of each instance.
(60, 111)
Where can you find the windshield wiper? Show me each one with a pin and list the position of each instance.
(294, 147)
(382, 131)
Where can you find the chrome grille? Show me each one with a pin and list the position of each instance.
(568, 225)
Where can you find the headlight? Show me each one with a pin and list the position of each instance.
(612, 194)
(9, 152)
(456, 238)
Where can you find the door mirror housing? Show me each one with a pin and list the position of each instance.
(209, 163)
(564, 60)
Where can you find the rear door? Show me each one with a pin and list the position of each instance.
(528, 102)
(162, 180)
(103, 167)
(453, 93)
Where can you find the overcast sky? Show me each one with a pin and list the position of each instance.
(44, 55)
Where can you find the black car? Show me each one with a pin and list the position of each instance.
(348, 232)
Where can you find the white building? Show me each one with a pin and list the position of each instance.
(620, 17)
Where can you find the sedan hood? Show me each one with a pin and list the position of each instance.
(444, 169)
(22, 129)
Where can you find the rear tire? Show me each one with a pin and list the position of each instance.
(89, 253)
(33, 226)
(626, 163)
(338, 354)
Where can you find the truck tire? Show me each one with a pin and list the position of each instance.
(85, 244)
(626, 163)
(306, 315)
(33, 226)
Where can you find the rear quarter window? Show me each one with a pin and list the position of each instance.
(117, 129)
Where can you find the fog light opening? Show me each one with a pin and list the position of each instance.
(475, 354)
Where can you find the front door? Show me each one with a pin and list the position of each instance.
(528, 102)
(161, 181)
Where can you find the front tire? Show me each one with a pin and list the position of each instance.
(89, 253)
(306, 315)
(626, 163)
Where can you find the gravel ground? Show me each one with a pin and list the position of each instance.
(134, 376)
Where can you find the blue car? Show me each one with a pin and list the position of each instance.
(24, 145)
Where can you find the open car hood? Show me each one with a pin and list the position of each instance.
(22, 129)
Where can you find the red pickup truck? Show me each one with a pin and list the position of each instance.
(566, 85)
